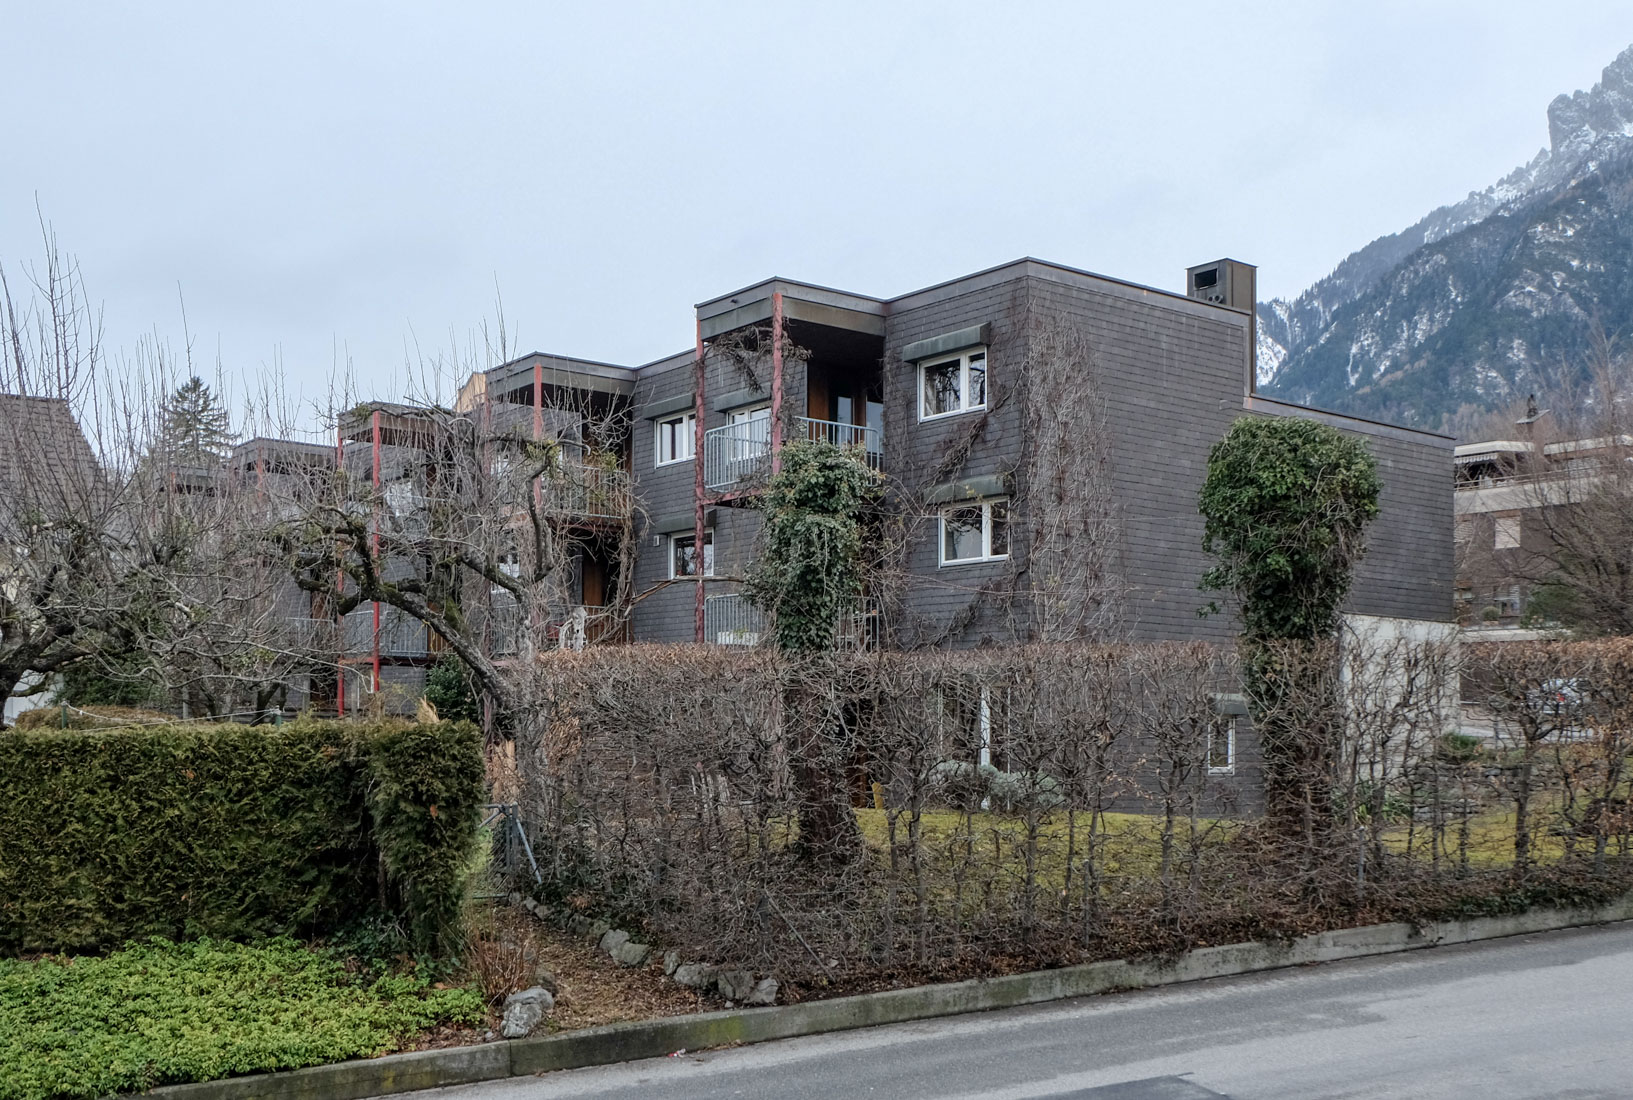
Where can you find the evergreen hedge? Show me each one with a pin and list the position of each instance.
(233, 831)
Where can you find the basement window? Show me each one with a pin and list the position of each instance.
(975, 533)
(683, 555)
(953, 384)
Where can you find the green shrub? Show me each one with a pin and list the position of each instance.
(230, 831)
(425, 800)
(448, 689)
(159, 1013)
(1458, 748)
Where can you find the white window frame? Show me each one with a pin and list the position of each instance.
(987, 555)
(707, 562)
(962, 358)
(1227, 724)
(688, 423)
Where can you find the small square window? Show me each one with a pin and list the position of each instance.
(1506, 534)
(675, 439)
(975, 533)
(683, 555)
(955, 384)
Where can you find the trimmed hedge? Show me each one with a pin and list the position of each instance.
(233, 831)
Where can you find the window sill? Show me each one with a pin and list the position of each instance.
(955, 412)
(973, 561)
(671, 462)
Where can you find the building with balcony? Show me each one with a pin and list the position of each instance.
(988, 402)
(1042, 433)
(1529, 506)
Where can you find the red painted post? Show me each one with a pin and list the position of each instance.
(538, 400)
(776, 382)
(697, 489)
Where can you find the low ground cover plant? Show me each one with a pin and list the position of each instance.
(158, 1012)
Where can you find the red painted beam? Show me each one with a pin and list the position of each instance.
(697, 489)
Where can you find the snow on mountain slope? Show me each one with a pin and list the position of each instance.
(1482, 296)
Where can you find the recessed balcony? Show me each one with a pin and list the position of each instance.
(738, 456)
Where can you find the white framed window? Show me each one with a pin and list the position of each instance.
(953, 384)
(1222, 746)
(975, 532)
(676, 439)
(1506, 533)
(683, 555)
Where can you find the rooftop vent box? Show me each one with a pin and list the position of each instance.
(1224, 283)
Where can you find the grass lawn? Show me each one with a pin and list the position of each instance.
(159, 1013)
(1130, 845)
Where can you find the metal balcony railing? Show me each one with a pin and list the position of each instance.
(313, 635)
(596, 492)
(733, 620)
(739, 454)
(864, 439)
(579, 627)
(736, 454)
(401, 635)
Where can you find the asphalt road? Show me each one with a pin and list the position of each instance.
(1548, 1015)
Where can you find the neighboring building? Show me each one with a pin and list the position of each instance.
(47, 470)
(1518, 505)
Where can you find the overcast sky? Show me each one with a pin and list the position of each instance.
(332, 175)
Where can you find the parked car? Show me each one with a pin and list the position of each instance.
(1565, 703)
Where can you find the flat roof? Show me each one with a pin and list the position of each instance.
(1493, 447)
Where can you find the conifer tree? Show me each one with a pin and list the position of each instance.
(195, 430)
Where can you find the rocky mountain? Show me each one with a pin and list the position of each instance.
(1483, 301)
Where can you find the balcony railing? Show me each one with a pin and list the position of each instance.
(596, 492)
(864, 439)
(313, 635)
(735, 454)
(739, 454)
(401, 635)
(733, 620)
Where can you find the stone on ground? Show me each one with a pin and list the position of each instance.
(524, 1010)
(631, 953)
(734, 985)
(694, 975)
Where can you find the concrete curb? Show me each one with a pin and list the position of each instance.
(650, 1038)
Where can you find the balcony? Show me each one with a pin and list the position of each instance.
(738, 456)
(733, 620)
(583, 626)
(307, 635)
(593, 492)
(401, 635)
